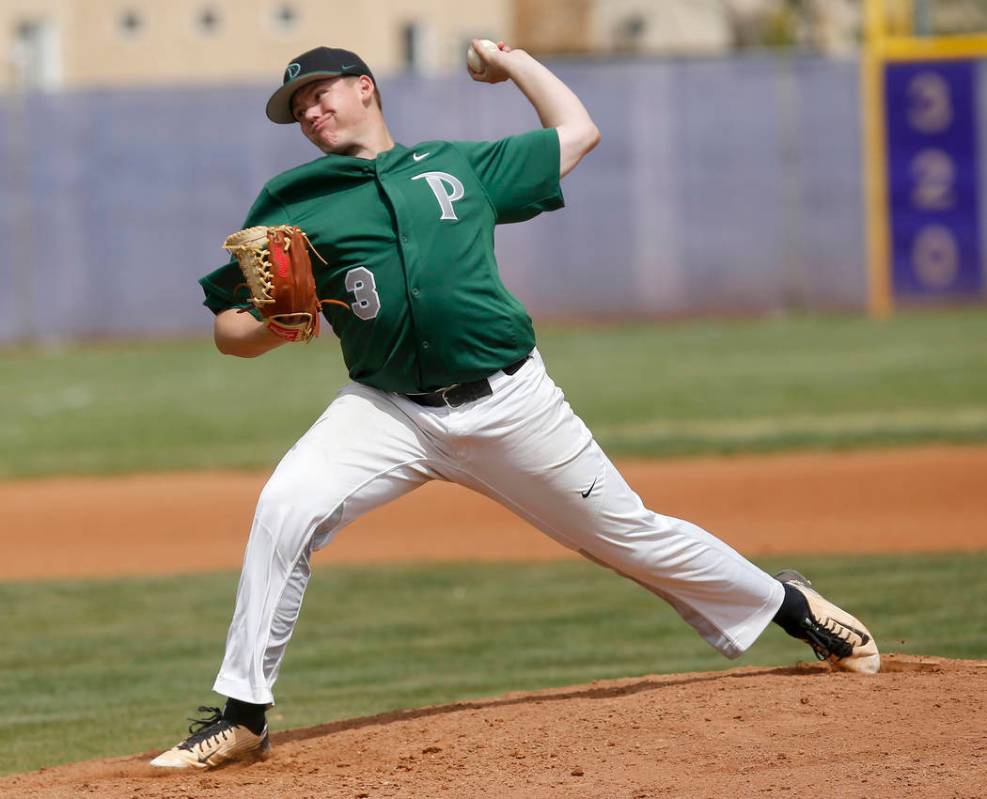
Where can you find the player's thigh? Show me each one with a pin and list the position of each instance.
(538, 458)
(359, 454)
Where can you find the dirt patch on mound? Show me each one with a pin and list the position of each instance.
(921, 499)
(915, 730)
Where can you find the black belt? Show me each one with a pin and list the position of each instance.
(461, 393)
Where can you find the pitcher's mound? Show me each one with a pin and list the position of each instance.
(917, 729)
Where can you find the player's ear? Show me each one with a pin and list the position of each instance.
(367, 89)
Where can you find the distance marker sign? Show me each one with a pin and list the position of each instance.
(933, 180)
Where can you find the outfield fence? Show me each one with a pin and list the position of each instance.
(724, 185)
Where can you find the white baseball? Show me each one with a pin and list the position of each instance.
(476, 64)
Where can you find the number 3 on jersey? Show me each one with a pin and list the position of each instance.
(361, 282)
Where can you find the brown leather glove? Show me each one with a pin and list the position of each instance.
(278, 271)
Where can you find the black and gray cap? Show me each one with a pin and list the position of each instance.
(317, 64)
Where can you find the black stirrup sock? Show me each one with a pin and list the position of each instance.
(250, 716)
(794, 608)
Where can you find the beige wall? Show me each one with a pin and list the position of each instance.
(605, 26)
(678, 26)
(85, 43)
(554, 26)
(247, 44)
(671, 26)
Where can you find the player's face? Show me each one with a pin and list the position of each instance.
(332, 113)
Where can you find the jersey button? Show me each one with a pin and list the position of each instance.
(404, 239)
(415, 292)
(425, 345)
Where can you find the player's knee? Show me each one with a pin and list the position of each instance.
(305, 506)
(283, 497)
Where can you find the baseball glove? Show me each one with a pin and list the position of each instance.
(278, 271)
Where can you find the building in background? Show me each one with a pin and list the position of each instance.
(621, 26)
(52, 44)
(684, 27)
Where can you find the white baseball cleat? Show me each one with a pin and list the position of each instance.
(834, 634)
(215, 742)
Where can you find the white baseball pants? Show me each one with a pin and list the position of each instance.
(524, 447)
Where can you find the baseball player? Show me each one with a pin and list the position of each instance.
(447, 383)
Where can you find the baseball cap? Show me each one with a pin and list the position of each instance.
(316, 64)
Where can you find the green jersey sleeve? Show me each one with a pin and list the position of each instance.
(520, 174)
(225, 288)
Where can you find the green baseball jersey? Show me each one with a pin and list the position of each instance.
(408, 240)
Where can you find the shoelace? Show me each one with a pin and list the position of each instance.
(201, 729)
(827, 639)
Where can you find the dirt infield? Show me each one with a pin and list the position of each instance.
(923, 499)
(915, 730)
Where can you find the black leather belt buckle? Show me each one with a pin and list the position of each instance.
(461, 393)
(454, 396)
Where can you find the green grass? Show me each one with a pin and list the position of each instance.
(101, 668)
(645, 389)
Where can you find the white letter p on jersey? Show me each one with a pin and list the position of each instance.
(437, 182)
